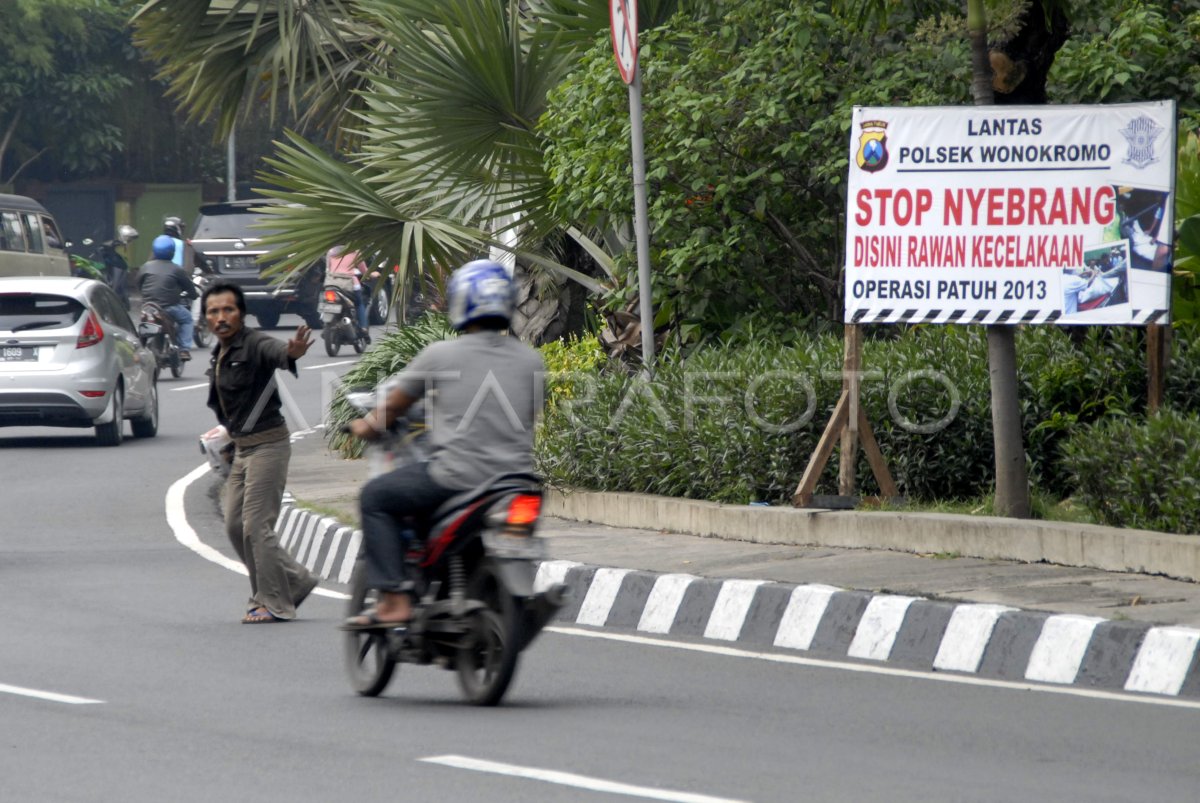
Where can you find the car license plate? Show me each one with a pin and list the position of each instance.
(327, 308)
(238, 263)
(18, 354)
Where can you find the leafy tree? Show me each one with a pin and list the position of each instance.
(749, 115)
(63, 67)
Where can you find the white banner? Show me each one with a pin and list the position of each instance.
(1011, 214)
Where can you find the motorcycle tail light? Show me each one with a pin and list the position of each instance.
(92, 332)
(524, 510)
(331, 296)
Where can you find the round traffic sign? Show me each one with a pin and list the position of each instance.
(622, 15)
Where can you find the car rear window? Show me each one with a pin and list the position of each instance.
(230, 226)
(20, 312)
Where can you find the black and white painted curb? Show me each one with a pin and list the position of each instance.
(984, 640)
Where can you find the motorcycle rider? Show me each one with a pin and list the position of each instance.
(116, 269)
(482, 393)
(162, 281)
(339, 260)
(183, 256)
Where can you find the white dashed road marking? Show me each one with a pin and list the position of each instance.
(51, 696)
(571, 779)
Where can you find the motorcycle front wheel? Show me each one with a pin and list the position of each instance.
(201, 335)
(487, 658)
(368, 663)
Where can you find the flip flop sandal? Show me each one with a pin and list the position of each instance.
(260, 616)
(369, 620)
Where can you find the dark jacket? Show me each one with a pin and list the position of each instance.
(165, 283)
(241, 387)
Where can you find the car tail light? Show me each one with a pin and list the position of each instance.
(92, 332)
(92, 394)
(331, 296)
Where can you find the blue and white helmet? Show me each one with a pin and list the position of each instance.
(480, 289)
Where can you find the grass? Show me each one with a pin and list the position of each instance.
(331, 512)
(1044, 507)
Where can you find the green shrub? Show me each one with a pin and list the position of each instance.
(386, 358)
(1144, 475)
(735, 422)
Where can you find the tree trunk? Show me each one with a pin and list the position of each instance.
(1012, 478)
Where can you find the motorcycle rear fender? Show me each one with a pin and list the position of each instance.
(517, 576)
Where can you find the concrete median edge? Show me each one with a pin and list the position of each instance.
(1083, 545)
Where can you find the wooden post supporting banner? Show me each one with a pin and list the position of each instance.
(1157, 349)
(850, 426)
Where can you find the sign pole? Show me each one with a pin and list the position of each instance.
(640, 218)
(623, 18)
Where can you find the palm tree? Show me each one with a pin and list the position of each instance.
(433, 107)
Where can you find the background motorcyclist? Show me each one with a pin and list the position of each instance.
(482, 393)
(162, 281)
(183, 256)
(339, 260)
(116, 268)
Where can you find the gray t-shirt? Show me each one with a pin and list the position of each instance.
(482, 393)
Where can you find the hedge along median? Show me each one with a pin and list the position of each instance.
(737, 422)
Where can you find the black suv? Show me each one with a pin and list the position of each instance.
(227, 248)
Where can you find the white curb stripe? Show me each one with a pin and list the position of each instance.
(663, 602)
(802, 616)
(287, 526)
(600, 597)
(1060, 648)
(1163, 660)
(729, 611)
(351, 557)
(879, 626)
(310, 526)
(338, 535)
(551, 572)
(967, 636)
(323, 530)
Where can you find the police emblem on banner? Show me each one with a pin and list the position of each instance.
(1141, 136)
(872, 146)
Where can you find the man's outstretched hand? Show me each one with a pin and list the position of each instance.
(298, 346)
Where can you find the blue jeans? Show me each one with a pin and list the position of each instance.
(407, 491)
(361, 306)
(183, 322)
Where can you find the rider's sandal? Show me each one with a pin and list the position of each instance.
(369, 620)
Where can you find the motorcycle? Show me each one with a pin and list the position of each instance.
(104, 263)
(201, 334)
(159, 334)
(474, 568)
(339, 314)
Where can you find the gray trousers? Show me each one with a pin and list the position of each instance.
(253, 496)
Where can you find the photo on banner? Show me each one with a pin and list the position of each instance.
(1011, 214)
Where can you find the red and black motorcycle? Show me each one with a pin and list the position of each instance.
(475, 566)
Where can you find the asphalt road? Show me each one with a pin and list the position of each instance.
(100, 601)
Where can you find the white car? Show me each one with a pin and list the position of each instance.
(70, 356)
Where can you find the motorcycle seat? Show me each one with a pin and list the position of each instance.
(514, 481)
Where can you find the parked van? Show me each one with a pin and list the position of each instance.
(30, 241)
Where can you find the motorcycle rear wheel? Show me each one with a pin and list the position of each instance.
(487, 660)
(368, 662)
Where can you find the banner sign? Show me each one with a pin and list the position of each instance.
(1011, 214)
